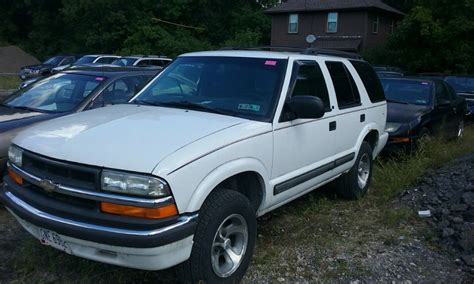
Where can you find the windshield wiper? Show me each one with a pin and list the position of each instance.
(142, 102)
(397, 102)
(193, 106)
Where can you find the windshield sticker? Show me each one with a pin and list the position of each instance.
(425, 83)
(421, 102)
(99, 78)
(271, 62)
(250, 107)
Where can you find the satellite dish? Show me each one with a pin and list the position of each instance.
(311, 39)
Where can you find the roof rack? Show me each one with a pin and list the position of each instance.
(309, 51)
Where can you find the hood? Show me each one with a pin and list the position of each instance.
(12, 118)
(38, 66)
(405, 113)
(128, 137)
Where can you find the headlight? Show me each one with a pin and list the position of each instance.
(392, 127)
(134, 184)
(15, 155)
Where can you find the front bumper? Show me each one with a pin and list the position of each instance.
(139, 258)
(148, 249)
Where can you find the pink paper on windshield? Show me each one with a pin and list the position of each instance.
(271, 62)
(99, 78)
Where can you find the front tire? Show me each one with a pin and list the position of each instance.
(355, 183)
(224, 240)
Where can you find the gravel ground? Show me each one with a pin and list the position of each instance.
(448, 194)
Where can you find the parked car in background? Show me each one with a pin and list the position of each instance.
(96, 59)
(389, 74)
(47, 66)
(64, 93)
(464, 87)
(419, 108)
(89, 60)
(179, 175)
(143, 61)
(433, 75)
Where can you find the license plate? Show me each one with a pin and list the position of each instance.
(23, 76)
(50, 238)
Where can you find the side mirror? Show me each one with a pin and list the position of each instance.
(307, 107)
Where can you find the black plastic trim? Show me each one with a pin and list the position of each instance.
(286, 185)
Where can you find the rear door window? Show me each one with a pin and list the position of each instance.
(346, 90)
(370, 79)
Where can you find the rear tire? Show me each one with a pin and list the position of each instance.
(224, 240)
(355, 183)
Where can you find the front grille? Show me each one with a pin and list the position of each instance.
(66, 199)
(68, 174)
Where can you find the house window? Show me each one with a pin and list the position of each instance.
(332, 22)
(293, 24)
(375, 27)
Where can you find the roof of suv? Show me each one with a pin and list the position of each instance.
(264, 54)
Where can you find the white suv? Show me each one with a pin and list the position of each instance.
(179, 175)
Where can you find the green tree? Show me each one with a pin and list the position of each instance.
(436, 35)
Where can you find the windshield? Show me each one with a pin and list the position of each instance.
(408, 91)
(124, 61)
(54, 60)
(461, 84)
(85, 60)
(58, 93)
(243, 87)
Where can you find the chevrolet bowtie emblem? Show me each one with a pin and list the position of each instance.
(48, 185)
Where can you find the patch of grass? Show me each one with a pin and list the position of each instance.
(394, 175)
(8, 82)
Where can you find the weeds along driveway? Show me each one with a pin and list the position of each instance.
(315, 238)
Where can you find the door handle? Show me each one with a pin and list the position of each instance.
(332, 126)
(362, 117)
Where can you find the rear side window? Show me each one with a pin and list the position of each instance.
(346, 90)
(310, 82)
(371, 81)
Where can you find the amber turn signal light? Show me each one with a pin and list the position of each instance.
(400, 139)
(148, 213)
(15, 177)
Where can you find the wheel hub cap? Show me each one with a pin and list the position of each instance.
(229, 245)
(363, 172)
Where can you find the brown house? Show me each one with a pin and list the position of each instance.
(348, 25)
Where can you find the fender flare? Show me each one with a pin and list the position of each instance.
(367, 129)
(223, 172)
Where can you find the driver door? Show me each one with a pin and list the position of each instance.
(303, 148)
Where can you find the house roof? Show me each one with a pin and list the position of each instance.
(326, 5)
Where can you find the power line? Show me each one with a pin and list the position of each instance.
(179, 25)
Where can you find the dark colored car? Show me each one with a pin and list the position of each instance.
(47, 66)
(64, 93)
(464, 87)
(419, 108)
(389, 74)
